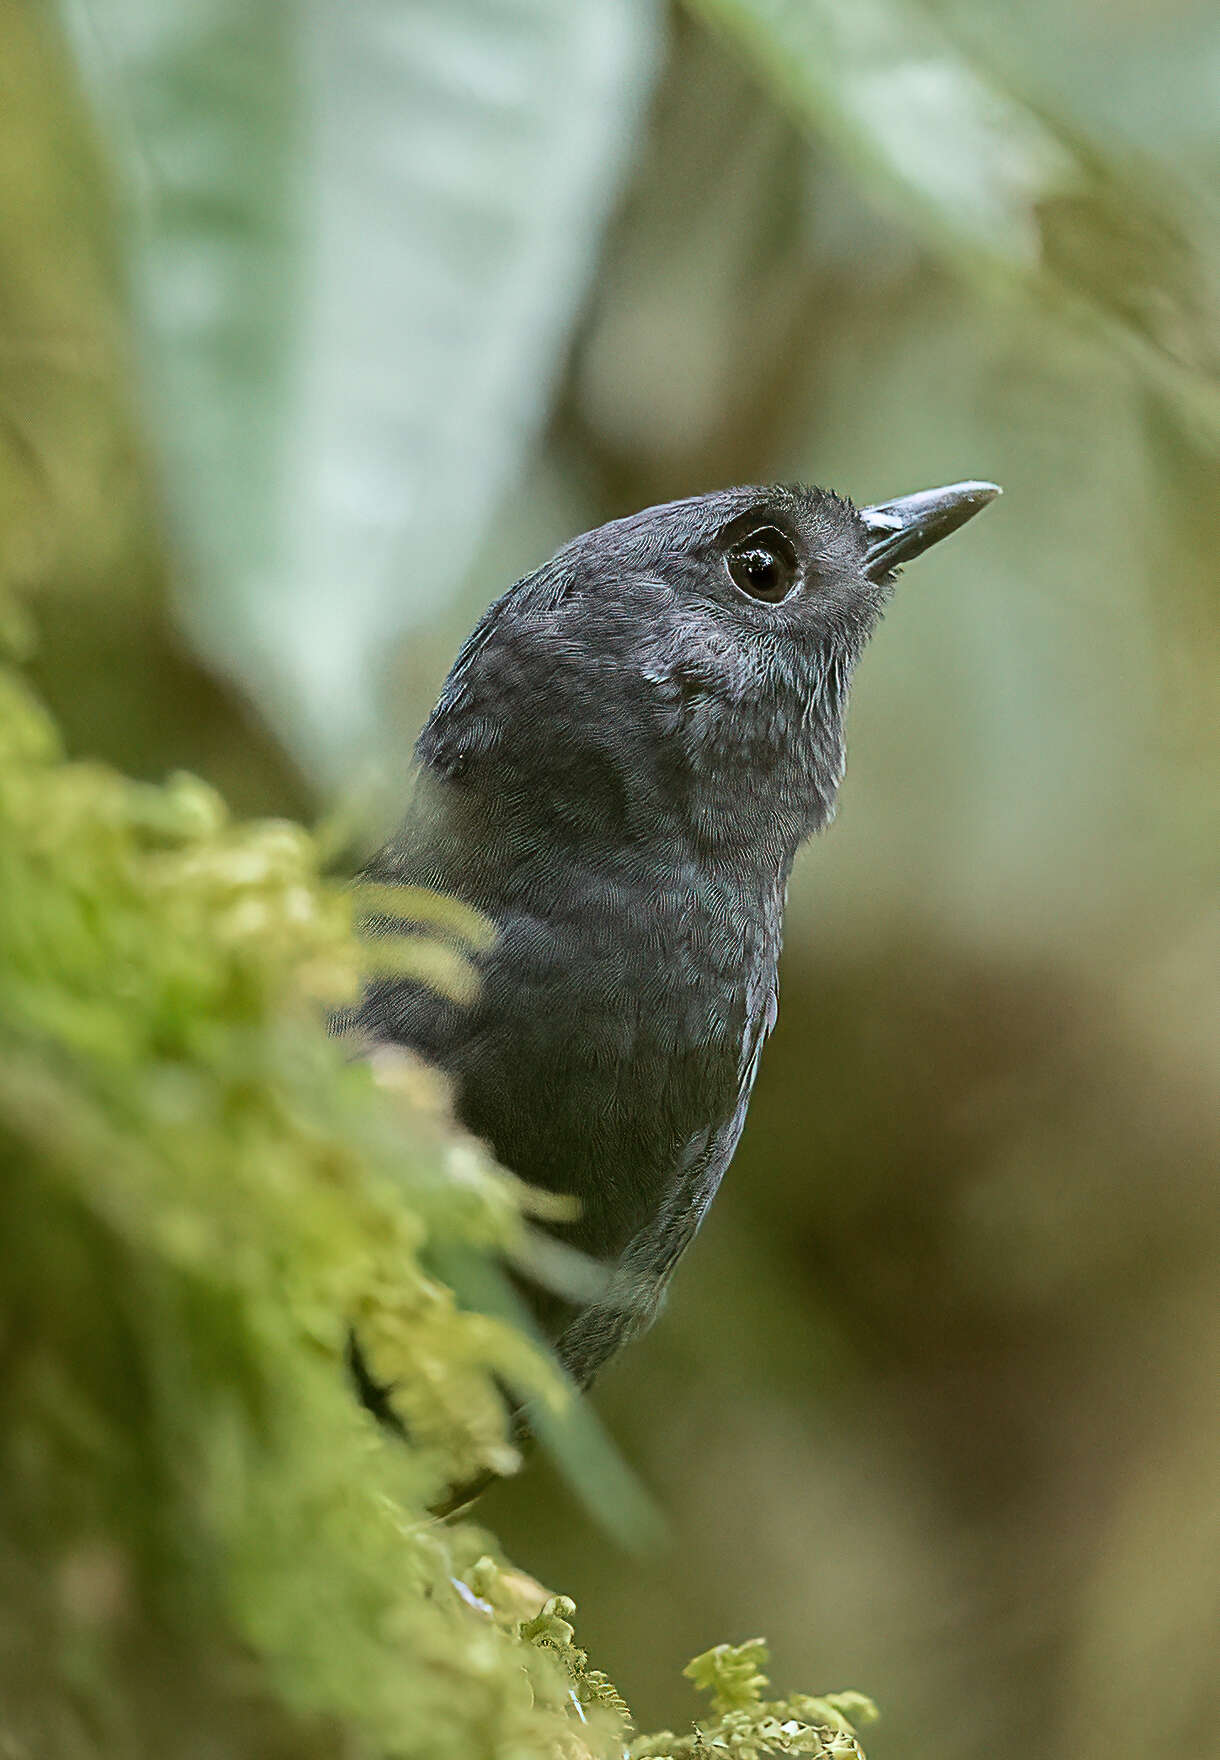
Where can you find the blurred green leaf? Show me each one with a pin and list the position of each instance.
(991, 178)
(67, 494)
(363, 233)
(568, 1428)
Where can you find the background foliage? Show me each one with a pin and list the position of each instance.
(355, 314)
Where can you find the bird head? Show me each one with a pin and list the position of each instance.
(686, 668)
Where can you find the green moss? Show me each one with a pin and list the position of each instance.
(745, 1725)
(205, 1543)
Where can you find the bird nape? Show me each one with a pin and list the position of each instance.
(622, 764)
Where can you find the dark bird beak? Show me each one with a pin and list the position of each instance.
(902, 529)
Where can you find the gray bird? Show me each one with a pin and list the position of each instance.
(624, 760)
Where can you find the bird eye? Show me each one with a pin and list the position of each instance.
(763, 565)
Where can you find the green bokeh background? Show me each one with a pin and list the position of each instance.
(318, 325)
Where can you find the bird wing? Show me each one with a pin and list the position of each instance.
(639, 1282)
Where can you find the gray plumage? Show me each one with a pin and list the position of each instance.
(621, 766)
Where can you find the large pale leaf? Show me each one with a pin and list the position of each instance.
(363, 230)
(990, 177)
